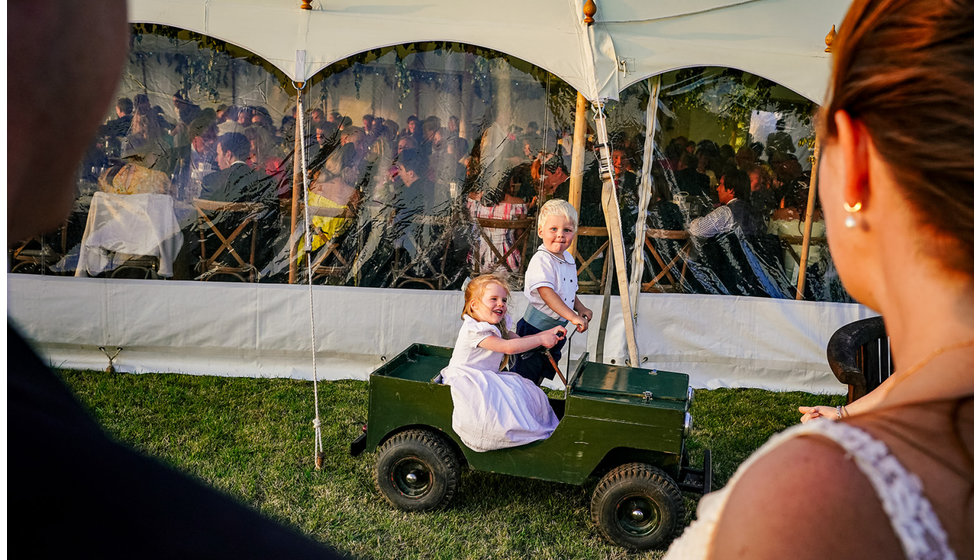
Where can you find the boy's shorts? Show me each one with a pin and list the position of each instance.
(533, 364)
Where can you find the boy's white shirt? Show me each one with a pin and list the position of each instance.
(558, 273)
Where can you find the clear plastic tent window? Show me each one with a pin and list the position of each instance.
(426, 163)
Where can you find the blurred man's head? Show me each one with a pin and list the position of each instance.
(69, 54)
(734, 183)
(124, 107)
(410, 166)
(232, 147)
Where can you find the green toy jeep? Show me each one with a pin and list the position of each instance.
(625, 426)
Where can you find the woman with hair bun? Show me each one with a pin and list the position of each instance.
(891, 475)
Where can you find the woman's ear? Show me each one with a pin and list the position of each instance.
(852, 142)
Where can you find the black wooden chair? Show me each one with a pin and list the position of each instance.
(428, 267)
(860, 356)
(37, 254)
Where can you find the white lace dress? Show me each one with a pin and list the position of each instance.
(493, 409)
(909, 512)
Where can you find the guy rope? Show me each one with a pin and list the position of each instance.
(318, 454)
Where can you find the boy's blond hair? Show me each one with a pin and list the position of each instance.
(558, 207)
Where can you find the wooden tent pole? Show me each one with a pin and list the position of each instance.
(297, 181)
(577, 172)
(808, 224)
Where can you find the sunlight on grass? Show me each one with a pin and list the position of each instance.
(253, 438)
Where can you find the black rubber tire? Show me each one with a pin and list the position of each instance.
(637, 506)
(417, 470)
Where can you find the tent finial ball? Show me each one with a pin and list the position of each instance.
(589, 9)
(829, 39)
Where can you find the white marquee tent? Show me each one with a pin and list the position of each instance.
(264, 329)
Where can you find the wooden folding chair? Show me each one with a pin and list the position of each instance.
(522, 228)
(683, 242)
(588, 282)
(210, 265)
(422, 270)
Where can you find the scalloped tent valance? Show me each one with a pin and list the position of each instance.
(782, 40)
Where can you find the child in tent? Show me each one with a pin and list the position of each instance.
(495, 409)
(550, 284)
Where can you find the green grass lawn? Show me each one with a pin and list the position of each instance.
(253, 438)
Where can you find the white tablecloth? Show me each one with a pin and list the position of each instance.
(120, 226)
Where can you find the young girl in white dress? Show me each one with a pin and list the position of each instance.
(494, 409)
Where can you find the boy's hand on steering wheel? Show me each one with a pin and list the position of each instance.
(581, 323)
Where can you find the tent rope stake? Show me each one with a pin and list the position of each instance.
(111, 368)
(318, 454)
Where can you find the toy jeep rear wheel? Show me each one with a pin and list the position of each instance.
(637, 506)
(417, 470)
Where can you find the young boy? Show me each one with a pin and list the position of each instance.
(550, 284)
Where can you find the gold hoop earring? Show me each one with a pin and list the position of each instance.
(850, 221)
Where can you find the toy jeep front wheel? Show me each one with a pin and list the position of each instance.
(417, 471)
(637, 506)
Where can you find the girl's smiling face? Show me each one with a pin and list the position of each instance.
(556, 233)
(491, 306)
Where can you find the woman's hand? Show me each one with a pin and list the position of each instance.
(551, 336)
(814, 412)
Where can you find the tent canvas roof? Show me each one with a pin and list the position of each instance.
(782, 40)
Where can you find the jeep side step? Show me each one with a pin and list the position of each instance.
(697, 480)
(360, 444)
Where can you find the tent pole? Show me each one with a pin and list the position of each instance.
(577, 172)
(808, 224)
(297, 179)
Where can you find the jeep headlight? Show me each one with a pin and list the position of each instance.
(688, 423)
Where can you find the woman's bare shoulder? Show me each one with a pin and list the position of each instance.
(803, 498)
